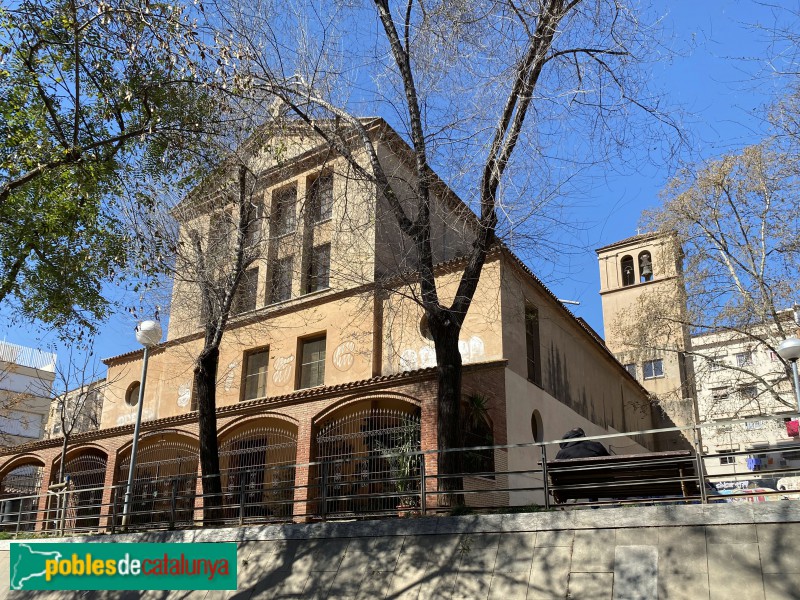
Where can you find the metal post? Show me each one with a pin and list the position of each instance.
(135, 448)
(19, 517)
(241, 502)
(796, 384)
(323, 490)
(172, 503)
(544, 477)
(113, 509)
(698, 454)
(423, 500)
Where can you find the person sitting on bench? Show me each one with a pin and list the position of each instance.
(579, 448)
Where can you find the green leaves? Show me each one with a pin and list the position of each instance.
(91, 98)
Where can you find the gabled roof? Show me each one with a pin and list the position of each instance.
(641, 237)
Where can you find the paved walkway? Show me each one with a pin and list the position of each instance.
(675, 553)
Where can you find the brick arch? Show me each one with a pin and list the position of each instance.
(166, 464)
(246, 420)
(87, 467)
(19, 461)
(354, 443)
(148, 435)
(391, 398)
(257, 467)
(20, 479)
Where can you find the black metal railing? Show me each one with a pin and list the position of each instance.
(407, 484)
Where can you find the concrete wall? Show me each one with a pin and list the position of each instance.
(665, 553)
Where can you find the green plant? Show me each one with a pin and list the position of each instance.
(402, 459)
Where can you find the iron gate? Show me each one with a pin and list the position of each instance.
(16, 513)
(165, 469)
(87, 475)
(257, 469)
(365, 466)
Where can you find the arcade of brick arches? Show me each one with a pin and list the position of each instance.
(264, 447)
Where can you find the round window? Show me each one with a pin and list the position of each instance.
(537, 428)
(132, 395)
(424, 329)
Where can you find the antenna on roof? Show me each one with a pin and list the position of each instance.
(575, 302)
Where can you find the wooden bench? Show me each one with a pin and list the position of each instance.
(624, 476)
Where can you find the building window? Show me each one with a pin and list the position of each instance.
(284, 204)
(532, 344)
(319, 269)
(748, 392)
(631, 368)
(653, 368)
(626, 264)
(320, 198)
(726, 460)
(245, 299)
(537, 426)
(132, 395)
(718, 394)
(645, 267)
(716, 363)
(312, 368)
(773, 356)
(255, 375)
(744, 359)
(253, 234)
(281, 284)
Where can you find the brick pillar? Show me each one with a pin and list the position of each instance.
(303, 505)
(111, 495)
(429, 441)
(47, 457)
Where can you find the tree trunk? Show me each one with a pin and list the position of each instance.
(448, 423)
(205, 375)
(62, 468)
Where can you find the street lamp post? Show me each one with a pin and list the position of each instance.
(148, 334)
(789, 349)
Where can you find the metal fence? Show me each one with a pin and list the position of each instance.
(260, 482)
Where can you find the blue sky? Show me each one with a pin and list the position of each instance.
(718, 74)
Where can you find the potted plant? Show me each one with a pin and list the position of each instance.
(403, 460)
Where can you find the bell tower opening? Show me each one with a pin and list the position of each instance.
(645, 267)
(628, 276)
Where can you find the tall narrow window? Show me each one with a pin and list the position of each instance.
(219, 232)
(645, 267)
(626, 264)
(283, 210)
(321, 198)
(255, 379)
(532, 344)
(653, 368)
(246, 292)
(319, 269)
(253, 235)
(281, 283)
(312, 367)
(744, 359)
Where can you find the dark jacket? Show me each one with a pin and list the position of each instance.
(579, 448)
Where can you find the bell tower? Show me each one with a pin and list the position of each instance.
(642, 276)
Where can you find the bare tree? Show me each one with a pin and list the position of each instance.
(536, 73)
(736, 221)
(78, 398)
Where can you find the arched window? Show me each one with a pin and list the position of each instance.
(628, 276)
(645, 267)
